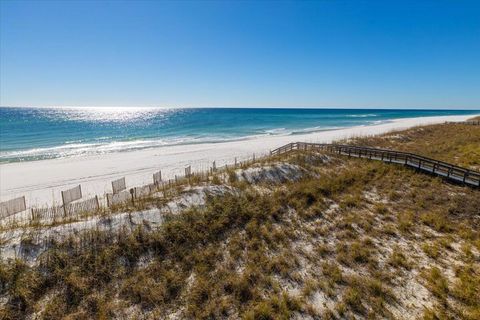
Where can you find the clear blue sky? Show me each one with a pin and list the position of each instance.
(423, 54)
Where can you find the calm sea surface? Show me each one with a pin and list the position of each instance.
(41, 133)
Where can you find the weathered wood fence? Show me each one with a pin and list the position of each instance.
(432, 166)
(12, 207)
(120, 195)
(64, 211)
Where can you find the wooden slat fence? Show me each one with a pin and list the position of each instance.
(157, 177)
(48, 213)
(436, 167)
(11, 207)
(72, 194)
(144, 191)
(71, 206)
(118, 185)
(76, 208)
(188, 171)
(115, 199)
(69, 210)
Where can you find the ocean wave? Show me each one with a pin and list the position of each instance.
(277, 131)
(362, 115)
(77, 149)
(98, 148)
(291, 132)
(314, 129)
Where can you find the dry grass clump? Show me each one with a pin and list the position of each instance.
(365, 296)
(332, 272)
(357, 252)
(406, 221)
(274, 307)
(398, 259)
(432, 250)
(436, 282)
(436, 220)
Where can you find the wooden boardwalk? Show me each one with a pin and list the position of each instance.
(439, 168)
(468, 122)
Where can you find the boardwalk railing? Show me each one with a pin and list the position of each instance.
(468, 122)
(436, 167)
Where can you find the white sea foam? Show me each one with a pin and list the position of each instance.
(102, 145)
(362, 115)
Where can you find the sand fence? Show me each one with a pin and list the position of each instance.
(12, 207)
(16, 210)
(118, 185)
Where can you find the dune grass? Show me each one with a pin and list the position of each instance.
(353, 232)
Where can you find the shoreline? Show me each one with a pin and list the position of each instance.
(41, 181)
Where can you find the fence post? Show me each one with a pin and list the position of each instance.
(132, 191)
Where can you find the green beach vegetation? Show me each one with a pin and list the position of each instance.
(351, 238)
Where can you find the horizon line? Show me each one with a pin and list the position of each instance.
(237, 107)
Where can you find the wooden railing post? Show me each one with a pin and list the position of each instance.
(465, 174)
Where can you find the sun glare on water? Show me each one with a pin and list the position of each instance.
(109, 114)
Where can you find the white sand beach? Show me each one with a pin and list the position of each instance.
(41, 181)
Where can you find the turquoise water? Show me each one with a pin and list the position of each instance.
(41, 133)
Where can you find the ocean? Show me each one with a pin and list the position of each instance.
(28, 134)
